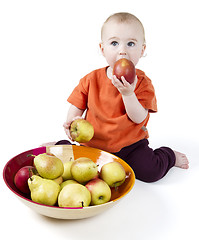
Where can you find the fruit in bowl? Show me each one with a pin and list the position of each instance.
(68, 211)
(48, 166)
(100, 191)
(22, 176)
(84, 169)
(74, 195)
(113, 174)
(43, 191)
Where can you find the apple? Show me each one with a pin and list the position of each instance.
(21, 178)
(74, 195)
(100, 191)
(81, 130)
(113, 174)
(84, 169)
(124, 67)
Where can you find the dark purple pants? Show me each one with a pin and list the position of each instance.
(148, 165)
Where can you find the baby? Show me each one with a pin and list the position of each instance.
(119, 111)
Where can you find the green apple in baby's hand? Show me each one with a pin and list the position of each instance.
(100, 191)
(84, 169)
(81, 130)
(74, 195)
(113, 174)
(48, 166)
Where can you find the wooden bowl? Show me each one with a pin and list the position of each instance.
(65, 153)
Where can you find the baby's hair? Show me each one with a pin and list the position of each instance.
(124, 17)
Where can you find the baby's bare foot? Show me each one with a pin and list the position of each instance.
(181, 160)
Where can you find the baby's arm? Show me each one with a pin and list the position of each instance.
(73, 113)
(135, 111)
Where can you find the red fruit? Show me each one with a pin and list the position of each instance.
(124, 67)
(21, 178)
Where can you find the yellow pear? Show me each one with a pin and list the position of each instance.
(74, 195)
(48, 166)
(84, 169)
(65, 183)
(43, 191)
(67, 170)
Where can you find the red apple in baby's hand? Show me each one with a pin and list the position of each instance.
(124, 67)
(21, 178)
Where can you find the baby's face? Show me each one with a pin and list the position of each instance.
(122, 40)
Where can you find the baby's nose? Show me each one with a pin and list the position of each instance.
(122, 50)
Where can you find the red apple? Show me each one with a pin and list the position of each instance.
(124, 67)
(100, 191)
(21, 178)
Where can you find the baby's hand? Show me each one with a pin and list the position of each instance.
(66, 126)
(124, 87)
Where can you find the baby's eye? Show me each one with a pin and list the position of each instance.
(130, 44)
(114, 43)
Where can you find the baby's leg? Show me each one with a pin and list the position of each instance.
(149, 165)
(181, 160)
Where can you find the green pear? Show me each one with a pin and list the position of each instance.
(48, 166)
(84, 169)
(43, 191)
(58, 180)
(65, 183)
(74, 195)
(67, 170)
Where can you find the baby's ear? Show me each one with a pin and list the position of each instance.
(101, 48)
(143, 50)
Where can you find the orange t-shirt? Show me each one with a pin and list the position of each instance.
(106, 112)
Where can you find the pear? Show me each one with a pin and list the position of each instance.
(84, 169)
(74, 195)
(67, 170)
(65, 183)
(58, 180)
(48, 166)
(43, 191)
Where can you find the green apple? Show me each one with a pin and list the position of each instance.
(67, 170)
(100, 191)
(74, 195)
(84, 169)
(81, 130)
(113, 174)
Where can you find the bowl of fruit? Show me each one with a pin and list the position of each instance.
(68, 181)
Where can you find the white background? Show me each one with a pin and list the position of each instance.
(45, 48)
